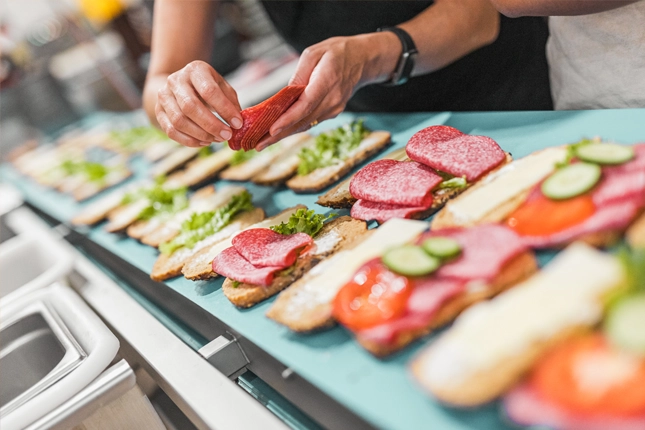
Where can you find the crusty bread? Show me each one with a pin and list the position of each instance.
(486, 385)
(120, 218)
(309, 318)
(201, 170)
(169, 266)
(90, 189)
(339, 197)
(173, 161)
(636, 233)
(260, 162)
(325, 176)
(515, 271)
(246, 295)
(199, 266)
(98, 210)
(284, 167)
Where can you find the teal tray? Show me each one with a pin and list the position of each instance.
(379, 391)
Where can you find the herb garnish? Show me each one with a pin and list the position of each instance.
(303, 221)
(135, 139)
(242, 156)
(572, 150)
(94, 172)
(332, 147)
(456, 183)
(160, 200)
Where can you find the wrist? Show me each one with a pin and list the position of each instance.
(384, 50)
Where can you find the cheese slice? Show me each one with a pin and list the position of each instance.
(503, 185)
(566, 294)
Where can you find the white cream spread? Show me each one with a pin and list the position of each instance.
(565, 294)
(504, 184)
(327, 242)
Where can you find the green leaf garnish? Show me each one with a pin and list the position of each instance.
(332, 147)
(303, 221)
(242, 156)
(454, 183)
(93, 172)
(571, 152)
(160, 200)
(204, 151)
(137, 138)
(633, 262)
(201, 225)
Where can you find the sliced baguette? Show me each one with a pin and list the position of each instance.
(261, 161)
(515, 271)
(99, 210)
(201, 170)
(169, 266)
(339, 197)
(199, 266)
(120, 218)
(284, 167)
(325, 176)
(173, 161)
(343, 229)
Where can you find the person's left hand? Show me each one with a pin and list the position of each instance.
(332, 71)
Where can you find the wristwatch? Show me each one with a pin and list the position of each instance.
(408, 57)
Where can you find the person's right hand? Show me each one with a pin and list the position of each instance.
(184, 106)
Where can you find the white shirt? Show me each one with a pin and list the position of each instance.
(598, 61)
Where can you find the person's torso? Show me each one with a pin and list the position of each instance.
(510, 74)
(598, 61)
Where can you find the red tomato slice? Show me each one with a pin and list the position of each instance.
(541, 216)
(374, 295)
(588, 376)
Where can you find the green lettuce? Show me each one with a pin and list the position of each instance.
(571, 152)
(331, 147)
(303, 221)
(135, 139)
(454, 183)
(94, 172)
(201, 225)
(161, 200)
(242, 156)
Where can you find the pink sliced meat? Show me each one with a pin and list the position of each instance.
(233, 265)
(619, 185)
(485, 251)
(612, 217)
(449, 150)
(525, 407)
(395, 182)
(381, 212)
(264, 247)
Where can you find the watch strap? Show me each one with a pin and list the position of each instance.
(406, 62)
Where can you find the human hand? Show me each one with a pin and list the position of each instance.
(332, 71)
(184, 105)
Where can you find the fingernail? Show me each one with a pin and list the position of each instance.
(226, 135)
(236, 123)
(276, 132)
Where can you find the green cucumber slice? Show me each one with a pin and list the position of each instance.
(605, 153)
(441, 247)
(571, 181)
(410, 260)
(625, 324)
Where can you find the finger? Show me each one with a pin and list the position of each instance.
(193, 108)
(300, 126)
(174, 134)
(311, 99)
(230, 93)
(306, 65)
(184, 124)
(211, 92)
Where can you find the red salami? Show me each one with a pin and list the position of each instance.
(264, 247)
(449, 150)
(259, 118)
(485, 251)
(231, 264)
(524, 406)
(381, 212)
(395, 182)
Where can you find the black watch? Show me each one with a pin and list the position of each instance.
(406, 61)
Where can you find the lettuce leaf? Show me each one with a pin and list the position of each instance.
(303, 221)
(94, 172)
(160, 200)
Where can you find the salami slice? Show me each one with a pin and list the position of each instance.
(395, 182)
(449, 150)
(381, 212)
(525, 407)
(619, 185)
(259, 118)
(263, 247)
(485, 251)
(233, 265)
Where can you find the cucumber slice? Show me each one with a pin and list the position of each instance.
(441, 247)
(410, 260)
(625, 324)
(605, 153)
(571, 181)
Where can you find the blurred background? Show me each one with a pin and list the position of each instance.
(63, 61)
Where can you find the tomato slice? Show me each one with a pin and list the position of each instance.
(374, 295)
(541, 216)
(588, 376)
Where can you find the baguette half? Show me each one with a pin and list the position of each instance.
(344, 229)
(201, 170)
(173, 161)
(284, 167)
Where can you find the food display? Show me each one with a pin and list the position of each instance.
(450, 283)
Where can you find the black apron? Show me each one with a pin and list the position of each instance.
(509, 74)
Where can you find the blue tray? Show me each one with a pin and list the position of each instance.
(380, 391)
